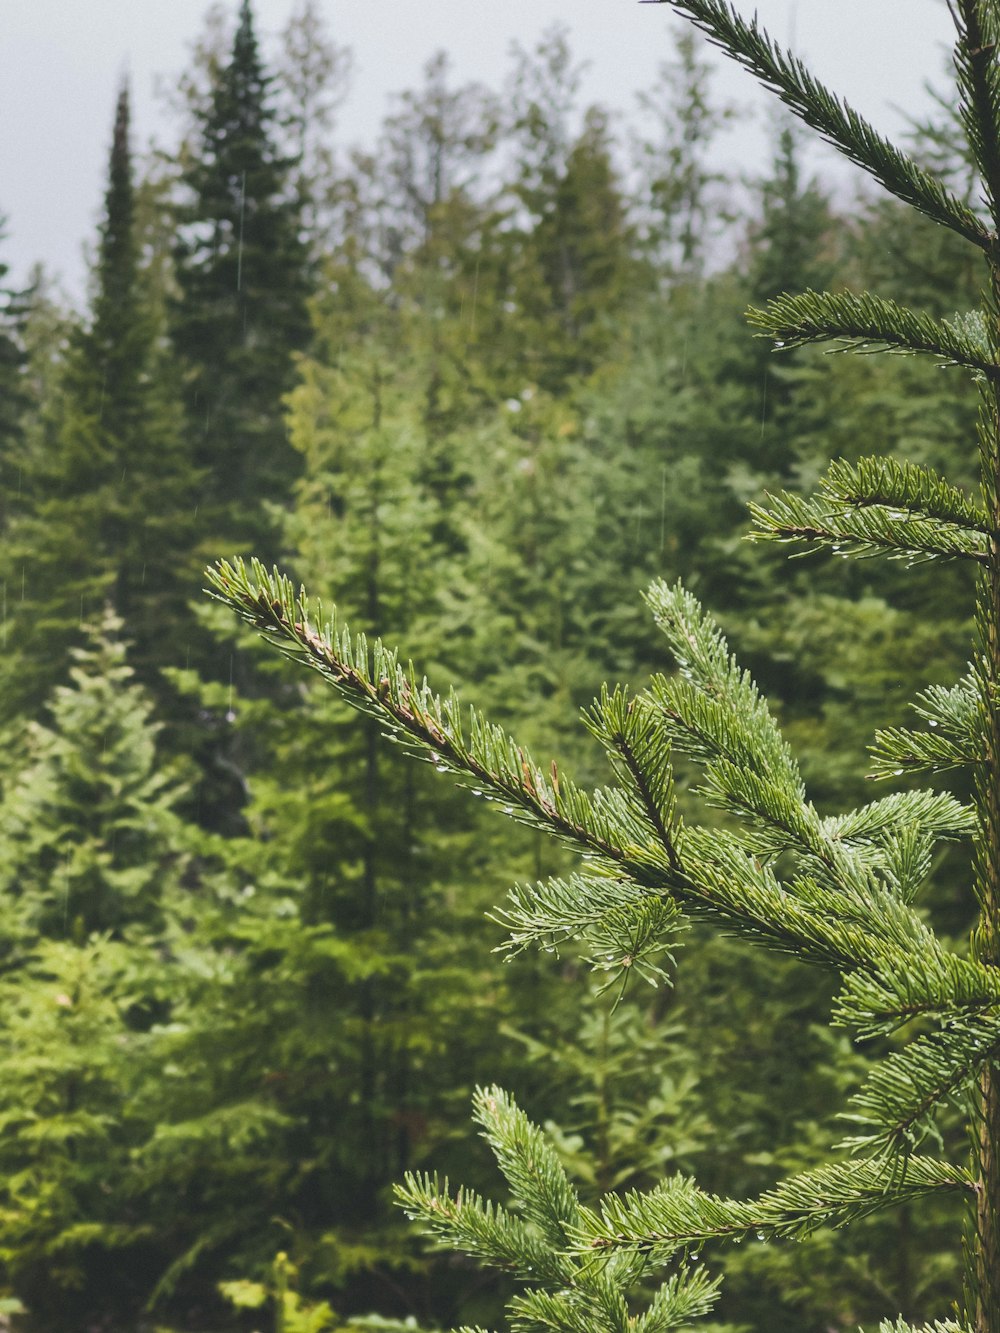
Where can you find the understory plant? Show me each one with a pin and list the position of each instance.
(839, 892)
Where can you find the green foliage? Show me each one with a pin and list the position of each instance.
(877, 325)
(102, 509)
(89, 811)
(95, 860)
(291, 1314)
(242, 269)
(13, 359)
(879, 506)
(67, 1123)
(529, 394)
(833, 890)
(566, 1290)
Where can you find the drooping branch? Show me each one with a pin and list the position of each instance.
(867, 323)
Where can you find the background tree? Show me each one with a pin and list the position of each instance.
(96, 861)
(681, 193)
(243, 272)
(105, 491)
(13, 359)
(314, 78)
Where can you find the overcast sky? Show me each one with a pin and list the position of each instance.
(61, 62)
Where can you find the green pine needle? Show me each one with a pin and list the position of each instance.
(838, 123)
(867, 323)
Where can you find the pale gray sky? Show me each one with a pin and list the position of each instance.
(61, 61)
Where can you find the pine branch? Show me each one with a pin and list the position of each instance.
(743, 729)
(683, 1297)
(905, 860)
(979, 82)
(620, 929)
(595, 910)
(572, 1293)
(901, 1093)
(939, 1326)
(479, 1227)
(839, 925)
(899, 750)
(837, 122)
(529, 1164)
(629, 730)
(954, 739)
(571, 1311)
(603, 827)
(935, 984)
(371, 679)
(905, 488)
(865, 531)
(678, 1216)
(850, 922)
(937, 813)
(953, 708)
(894, 839)
(872, 324)
(715, 713)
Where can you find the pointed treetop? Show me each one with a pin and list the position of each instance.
(246, 39)
(116, 263)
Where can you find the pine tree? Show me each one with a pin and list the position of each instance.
(314, 77)
(837, 891)
(569, 244)
(243, 272)
(792, 247)
(682, 195)
(105, 500)
(13, 395)
(89, 839)
(95, 862)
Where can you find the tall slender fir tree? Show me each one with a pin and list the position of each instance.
(242, 267)
(104, 503)
(13, 397)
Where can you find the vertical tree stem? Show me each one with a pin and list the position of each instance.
(987, 1133)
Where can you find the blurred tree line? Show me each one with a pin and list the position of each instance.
(480, 383)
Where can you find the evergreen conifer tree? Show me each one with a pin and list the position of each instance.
(104, 505)
(839, 892)
(95, 863)
(13, 398)
(683, 195)
(242, 268)
(89, 837)
(568, 265)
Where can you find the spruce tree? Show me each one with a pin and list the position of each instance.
(88, 834)
(13, 395)
(242, 269)
(839, 892)
(95, 862)
(569, 261)
(104, 504)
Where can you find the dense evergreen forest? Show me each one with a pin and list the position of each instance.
(479, 384)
